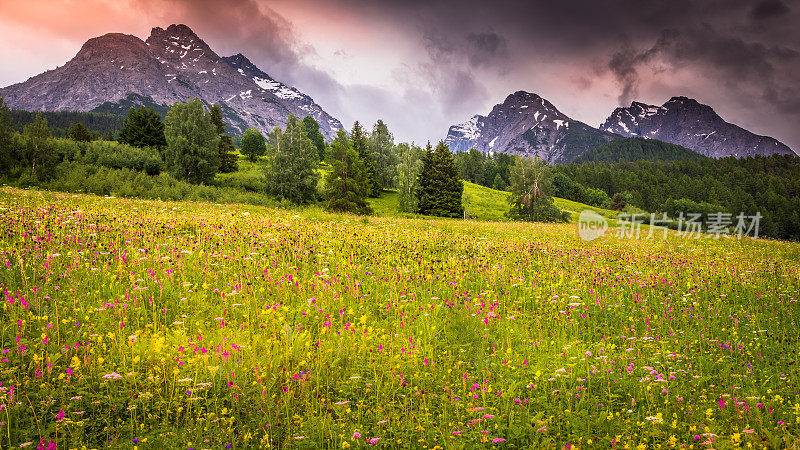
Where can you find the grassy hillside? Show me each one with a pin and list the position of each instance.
(196, 325)
(483, 204)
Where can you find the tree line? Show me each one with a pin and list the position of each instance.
(190, 144)
(769, 185)
(99, 125)
(637, 175)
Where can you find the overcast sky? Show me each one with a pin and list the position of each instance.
(423, 65)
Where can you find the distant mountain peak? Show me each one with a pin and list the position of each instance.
(685, 121)
(525, 123)
(112, 45)
(115, 71)
(175, 30)
(681, 99)
(523, 95)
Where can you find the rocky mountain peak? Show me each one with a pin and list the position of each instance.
(240, 61)
(173, 65)
(685, 121)
(179, 44)
(174, 31)
(689, 105)
(527, 124)
(111, 46)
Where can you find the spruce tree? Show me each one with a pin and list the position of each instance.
(292, 174)
(499, 183)
(143, 128)
(79, 133)
(312, 129)
(346, 183)
(227, 156)
(6, 137)
(440, 189)
(361, 146)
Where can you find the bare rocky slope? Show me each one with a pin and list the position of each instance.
(527, 124)
(172, 65)
(688, 123)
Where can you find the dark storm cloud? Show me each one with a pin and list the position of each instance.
(746, 50)
(447, 71)
(486, 48)
(235, 26)
(768, 9)
(624, 64)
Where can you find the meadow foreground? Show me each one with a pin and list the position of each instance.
(131, 323)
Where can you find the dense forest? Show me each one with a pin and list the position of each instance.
(635, 149)
(766, 184)
(101, 125)
(490, 170)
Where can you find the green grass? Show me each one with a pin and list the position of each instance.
(482, 204)
(179, 324)
(575, 208)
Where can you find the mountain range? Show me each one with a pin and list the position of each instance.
(117, 71)
(686, 122)
(527, 124)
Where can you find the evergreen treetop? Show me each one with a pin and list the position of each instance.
(79, 133)
(361, 146)
(346, 183)
(143, 128)
(440, 189)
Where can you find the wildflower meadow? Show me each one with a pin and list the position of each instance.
(147, 324)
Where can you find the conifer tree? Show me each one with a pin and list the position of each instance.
(440, 189)
(78, 133)
(143, 128)
(499, 183)
(346, 183)
(361, 146)
(227, 156)
(6, 137)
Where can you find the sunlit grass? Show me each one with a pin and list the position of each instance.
(174, 325)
